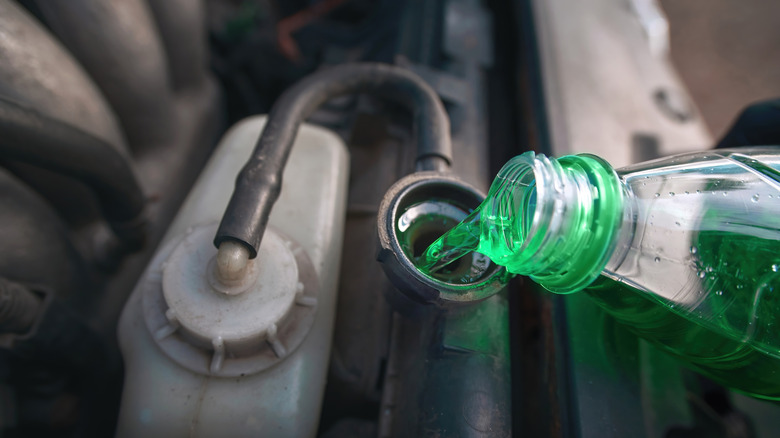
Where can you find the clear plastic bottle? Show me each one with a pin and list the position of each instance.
(684, 250)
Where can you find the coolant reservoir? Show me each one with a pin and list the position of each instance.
(248, 360)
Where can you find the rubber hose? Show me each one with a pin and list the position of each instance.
(28, 136)
(259, 183)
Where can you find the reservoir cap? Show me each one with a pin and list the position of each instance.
(256, 323)
(242, 320)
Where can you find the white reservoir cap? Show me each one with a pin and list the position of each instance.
(241, 323)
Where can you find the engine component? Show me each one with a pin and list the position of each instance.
(181, 337)
(416, 211)
(30, 55)
(97, 112)
(61, 369)
(237, 331)
(36, 139)
(123, 53)
(30, 229)
(19, 308)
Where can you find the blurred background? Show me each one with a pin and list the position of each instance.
(726, 53)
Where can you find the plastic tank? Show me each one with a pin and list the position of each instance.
(251, 361)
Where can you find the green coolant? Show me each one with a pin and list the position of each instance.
(731, 337)
(422, 223)
(745, 367)
(501, 217)
(447, 249)
(685, 252)
(733, 341)
(560, 234)
(496, 228)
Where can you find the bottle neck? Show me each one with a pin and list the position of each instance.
(555, 220)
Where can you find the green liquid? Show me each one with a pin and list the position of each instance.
(730, 335)
(517, 223)
(712, 299)
(424, 222)
(496, 228)
(454, 244)
(466, 238)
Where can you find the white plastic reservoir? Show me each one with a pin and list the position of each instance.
(252, 361)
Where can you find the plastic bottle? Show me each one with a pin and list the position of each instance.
(684, 250)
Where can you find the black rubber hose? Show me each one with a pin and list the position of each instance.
(31, 137)
(260, 181)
